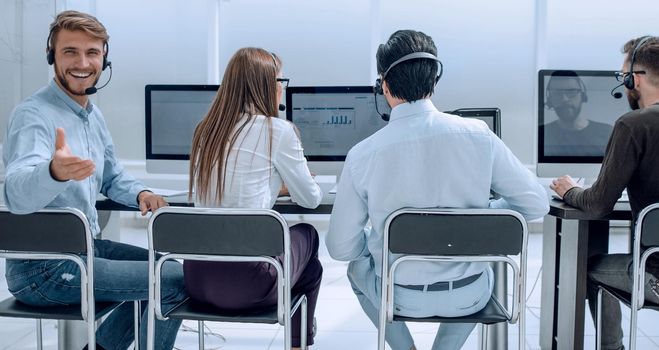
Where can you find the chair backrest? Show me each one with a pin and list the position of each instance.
(218, 231)
(64, 230)
(455, 232)
(648, 220)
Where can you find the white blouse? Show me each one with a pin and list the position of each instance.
(255, 175)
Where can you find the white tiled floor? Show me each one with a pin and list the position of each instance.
(341, 323)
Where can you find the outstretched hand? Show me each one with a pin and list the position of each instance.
(65, 166)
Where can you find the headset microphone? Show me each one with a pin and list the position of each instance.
(617, 94)
(92, 90)
(282, 107)
(384, 116)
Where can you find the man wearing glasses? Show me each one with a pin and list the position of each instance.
(572, 133)
(631, 161)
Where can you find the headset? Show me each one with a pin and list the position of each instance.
(377, 88)
(50, 55)
(582, 88)
(628, 80)
(414, 55)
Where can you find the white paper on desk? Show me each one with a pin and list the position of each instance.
(167, 192)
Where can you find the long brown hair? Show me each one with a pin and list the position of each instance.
(249, 87)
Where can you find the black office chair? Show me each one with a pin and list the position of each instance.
(456, 235)
(645, 243)
(239, 235)
(53, 234)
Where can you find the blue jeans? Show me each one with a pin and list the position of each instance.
(615, 270)
(455, 302)
(120, 274)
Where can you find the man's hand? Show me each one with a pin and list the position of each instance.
(150, 202)
(563, 184)
(65, 166)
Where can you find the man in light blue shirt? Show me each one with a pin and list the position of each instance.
(425, 159)
(59, 153)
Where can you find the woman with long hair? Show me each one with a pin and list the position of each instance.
(243, 156)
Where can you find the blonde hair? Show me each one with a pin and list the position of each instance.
(74, 20)
(249, 87)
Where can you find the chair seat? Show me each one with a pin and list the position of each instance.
(11, 307)
(627, 297)
(194, 310)
(490, 314)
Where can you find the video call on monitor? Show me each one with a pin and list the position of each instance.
(331, 120)
(576, 113)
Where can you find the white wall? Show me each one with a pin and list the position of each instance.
(491, 50)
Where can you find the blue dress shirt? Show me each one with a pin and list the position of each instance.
(29, 147)
(425, 159)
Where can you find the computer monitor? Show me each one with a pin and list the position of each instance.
(576, 113)
(331, 120)
(172, 114)
(491, 117)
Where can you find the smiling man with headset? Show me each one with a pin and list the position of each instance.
(45, 168)
(425, 159)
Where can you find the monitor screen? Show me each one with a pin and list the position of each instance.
(576, 113)
(172, 113)
(491, 116)
(332, 119)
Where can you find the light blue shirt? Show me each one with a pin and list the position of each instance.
(29, 147)
(425, 159)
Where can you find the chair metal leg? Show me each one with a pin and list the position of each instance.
(137, 315)
(382, 325)
(39, 335)
(288, 342)
(150, 325)
(91, 334)
(200, 326)
(482, 337)
(598, 326)
(303, 324)
(632, 330)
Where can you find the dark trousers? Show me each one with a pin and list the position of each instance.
(243, 286)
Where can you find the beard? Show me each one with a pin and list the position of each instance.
(567, 112)
(632, 98)
(65, 83)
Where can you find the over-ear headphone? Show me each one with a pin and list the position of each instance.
(568, 75)
(377, 88)
(628, 80)
(50, 55)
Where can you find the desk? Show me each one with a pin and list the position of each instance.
(565, 252)
(281, 206)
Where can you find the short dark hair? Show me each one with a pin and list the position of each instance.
(647, 56)
(410, 80)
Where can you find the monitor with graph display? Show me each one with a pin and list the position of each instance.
(332, 119)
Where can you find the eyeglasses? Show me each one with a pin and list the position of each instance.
(284, 82)
(620, 76)
(569, 93)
